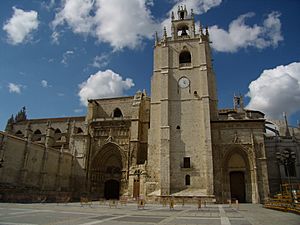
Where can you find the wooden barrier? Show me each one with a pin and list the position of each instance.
(113, 203)
(102, 201)
(85, 201)
(283, 203)
(183, 201)
(42, 199)
(141, 204)
(123, 200)
(63, 199)
(164, 201)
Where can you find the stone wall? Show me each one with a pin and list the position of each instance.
(28, 165)
(244, 139)
(276, 172)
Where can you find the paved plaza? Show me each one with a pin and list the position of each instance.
(74, 214)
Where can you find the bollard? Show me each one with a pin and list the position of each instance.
(113, 203)
(172, 203)
(237, 204)
(229, 202)
(164, 202)
(141, 204)
(199, 203)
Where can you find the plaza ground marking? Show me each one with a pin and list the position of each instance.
(224, 218)
(81, 213)
(31, 211)
(104, 220)
(8, 223)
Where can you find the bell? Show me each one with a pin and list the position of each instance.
(184, 33)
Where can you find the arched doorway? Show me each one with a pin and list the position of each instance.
(238, 174)
(112, 189)
(237, 186)
(106, 172)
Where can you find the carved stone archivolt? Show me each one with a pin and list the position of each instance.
(246, 151)
(108, 149)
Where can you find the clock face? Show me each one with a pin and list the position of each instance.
(184, 82)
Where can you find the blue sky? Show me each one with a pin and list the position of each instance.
(55, 54)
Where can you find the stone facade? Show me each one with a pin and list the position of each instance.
(175, 143)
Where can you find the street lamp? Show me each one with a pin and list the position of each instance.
(287, 158)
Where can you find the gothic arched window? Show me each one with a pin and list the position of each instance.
(18, 133)
(37, 131)
(57, 131)
(37, 134)
(187, 180)
(117, 113)
(79, 131)
(185, 57)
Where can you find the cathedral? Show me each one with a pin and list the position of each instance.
(174, 143)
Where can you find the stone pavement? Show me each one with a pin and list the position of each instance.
(74, 214)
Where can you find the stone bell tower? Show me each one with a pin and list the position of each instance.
(183, 103)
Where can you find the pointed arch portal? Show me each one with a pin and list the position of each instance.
(106, 172)
(238, 175)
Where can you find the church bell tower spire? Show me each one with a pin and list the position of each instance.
(183, 103)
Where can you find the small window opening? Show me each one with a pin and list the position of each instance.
(117, 113)
(37, 132)
(183, 30)
(185, 57)
(187, 180)
(195, 93)
(38, 135)
(79, 130)
(19, 132)
(178, 127)
(181, 15)
(186, 162)
(57, 131)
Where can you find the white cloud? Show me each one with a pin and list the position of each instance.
(48, 5)
(198, 6)
(60, 94)
(20, 26)
(78, 110)
(276, 91)
(45, 84)
(117, 22)
(15, 88)
(103, 84)
(101, 61)
(124, 23)
(66, 56)
(241, 35)
(76, 13)
(55, 37)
